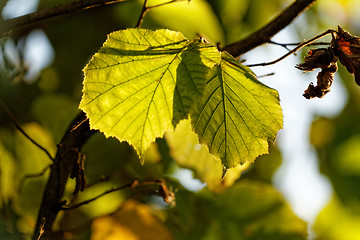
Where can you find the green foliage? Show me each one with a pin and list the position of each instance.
(141, 83)
(20, 198)
(227, 208)
(337, 143)
(247, 210)
(337, 222)
(188, 153)
(7, 169)
(341, 163)
(199, 19)
(237, 114)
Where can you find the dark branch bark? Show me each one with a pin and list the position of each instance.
(66, 156)
(264, 34)
(7, 26)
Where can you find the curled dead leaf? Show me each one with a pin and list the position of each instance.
(347, 48)
(317, 58)
(325, 59)
(324, 82)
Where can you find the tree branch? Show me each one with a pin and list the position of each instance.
(7, 26)
(66, 156)
(264, 34)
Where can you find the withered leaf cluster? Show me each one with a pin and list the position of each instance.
(345, 48)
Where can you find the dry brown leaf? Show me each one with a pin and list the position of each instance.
(344, 47)
(325, 59)
(317, 58)
(347, 48)
(324, 82)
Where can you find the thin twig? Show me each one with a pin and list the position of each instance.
(7, 26)
(41, 231)
(33, 175)
(95, 198)
(17, 125)
(129, 185)
(285, 45)
(144, 10)
(266, 75)
(166, 3)
(264, 34)
(301, 45)
(79, 124)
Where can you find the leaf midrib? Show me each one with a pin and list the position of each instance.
(152, 97)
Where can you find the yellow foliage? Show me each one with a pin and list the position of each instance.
(133, 221)
(188, 153)
(336, 222)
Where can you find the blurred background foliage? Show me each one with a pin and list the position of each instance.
(41, 81)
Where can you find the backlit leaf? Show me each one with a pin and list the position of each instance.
(142, 83)
(188, 153)
(237, 115)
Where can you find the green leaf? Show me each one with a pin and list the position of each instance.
(141, 83)
(247, 210)
(188, 153)
(8, 176)
(237, 115)
(337, 221)
(46, 108)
